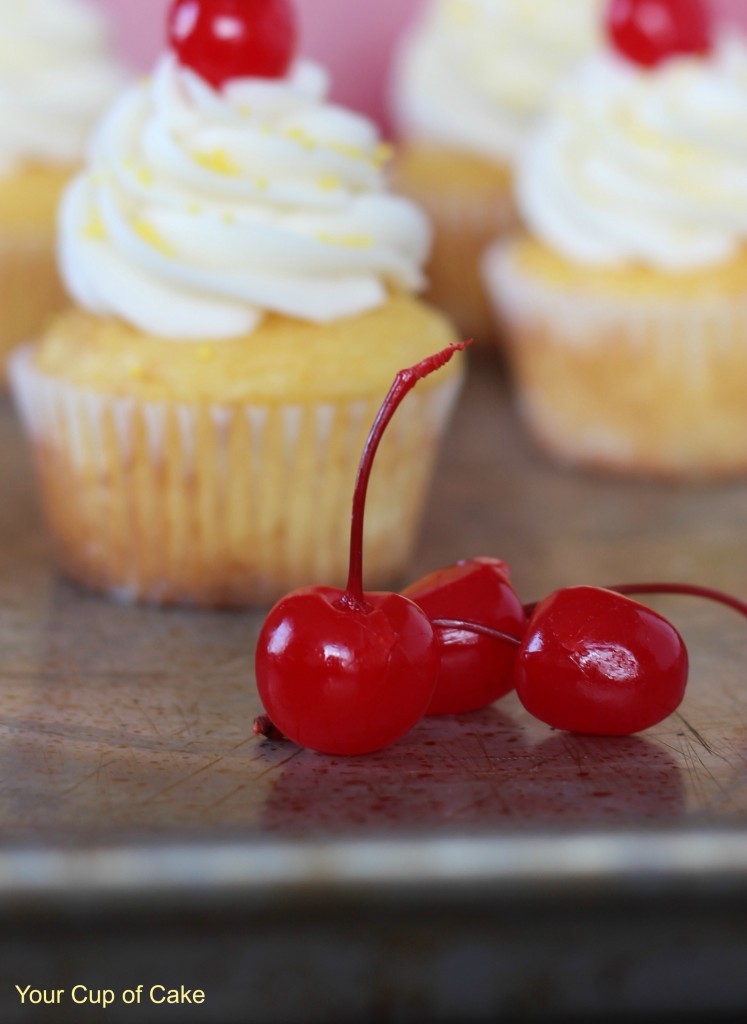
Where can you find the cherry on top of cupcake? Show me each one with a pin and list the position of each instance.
(650, 32)
(225, 39)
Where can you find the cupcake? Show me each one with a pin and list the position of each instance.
(56, 73)
(470, 80)
(243, 291)
(626, 298)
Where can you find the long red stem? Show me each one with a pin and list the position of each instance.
(478, 628)
(689, 589)
(404, 382)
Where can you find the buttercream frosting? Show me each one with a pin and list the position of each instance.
(636, 166)
(56, 76)
(475, 74)
(201, 211)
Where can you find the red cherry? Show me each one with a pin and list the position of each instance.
(593, 661)
(345, 672)
(225, 39)
(649, 32)
(476, 669)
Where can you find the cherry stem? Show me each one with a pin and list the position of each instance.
(404, 382)
(478, 628)
(689, 589)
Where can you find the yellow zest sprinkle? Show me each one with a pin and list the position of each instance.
(262, 184)
(345, 149)
(205, 353)
(98, 179)
(219, 161)
(194, 209)
(145, 176)
(330, 183)
(228, 217)
(149, 234)
(347, 241)
(246, 111)
(95, 229)
(300, 135)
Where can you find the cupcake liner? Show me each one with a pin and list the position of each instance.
(650, 385)
(30, 290)
(464, 225)
(220, 505)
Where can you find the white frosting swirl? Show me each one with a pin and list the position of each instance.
(475, 74)
(56, 76)
(635, 166)
(203, 210)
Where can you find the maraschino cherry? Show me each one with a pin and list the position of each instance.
(348, 672)
(476, 668)
(649, 32)
(226, 39)
(594, 661)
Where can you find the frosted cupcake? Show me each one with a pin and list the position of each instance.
(243, 289)
(470, 80)
(627, 298)
(56, 75)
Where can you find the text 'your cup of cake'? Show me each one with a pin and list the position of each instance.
(242, 286)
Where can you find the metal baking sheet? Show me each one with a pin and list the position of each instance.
(484, 868)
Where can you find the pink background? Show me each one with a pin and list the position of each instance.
(352, 37)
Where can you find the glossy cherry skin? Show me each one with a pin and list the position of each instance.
(474, 670)
(649, 32)
(595, 662)
(345, 681)
(225, 39)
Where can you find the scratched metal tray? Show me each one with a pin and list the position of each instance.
(484, 868)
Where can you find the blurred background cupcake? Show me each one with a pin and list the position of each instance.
(243, 287)
(56, 75)
(626, 298)
(471, 78)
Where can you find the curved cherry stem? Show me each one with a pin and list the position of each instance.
(404, 382)
(689, 589)
(478, 628)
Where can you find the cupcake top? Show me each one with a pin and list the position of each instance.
(206, 207)
(475, 74)
(637, 165)
(56, 74)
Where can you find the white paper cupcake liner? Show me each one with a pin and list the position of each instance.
(222, 505)
(654, 385)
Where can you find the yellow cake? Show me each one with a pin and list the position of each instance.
(223, 474)
(632, 370)
(198, 416)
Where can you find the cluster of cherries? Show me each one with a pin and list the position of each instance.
(350, 672)
(226, 39)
